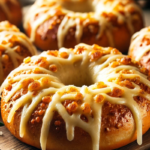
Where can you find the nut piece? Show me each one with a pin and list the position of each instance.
(115, 51)
(52, 53)
(45, 81)
(99, 98)
(86, 108)
(46, 99)
(34, 86)
(101, 85)
(72, 107)
(64, 55)
(79, 98)
(95, 55)
(127, 83)
(27, 60)
(26, 82)
(116, 92)
(53, 68)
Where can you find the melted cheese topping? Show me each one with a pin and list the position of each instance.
(137, 38)
(79, 20)
(7, 33)
(6, 9)
(99, 70)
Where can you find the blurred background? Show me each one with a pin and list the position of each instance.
(145, 5)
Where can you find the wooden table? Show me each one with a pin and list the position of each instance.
(9, 142)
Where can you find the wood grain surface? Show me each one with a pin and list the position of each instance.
(9, 142)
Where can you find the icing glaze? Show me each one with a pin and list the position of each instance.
(7, 34)
(99, 70)
(78, 19)
(137, 38)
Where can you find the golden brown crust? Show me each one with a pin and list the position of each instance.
(142, 44)
(7, 63)
(14, 48)
(46, 33)
(117, 124)
(14, 9)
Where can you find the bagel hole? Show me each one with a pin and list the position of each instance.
(76, 76)
(82, 6)
(78, 80)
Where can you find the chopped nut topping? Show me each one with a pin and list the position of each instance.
(99, 98)
(57, 123)
(72, 107)
(41, 112)
(53, 53)
(2, 48)
(4, 42)
(27, 60)
(126, 83)
(34, 86)
(71, 89)
(53, 68)
(125, 60)
(79, 98)
(26, 82)
(45, 81)
(80, 49)
(5, 57)
(64, 55)
(33, 121)
(116, 92)
(46, 99)
(95, 55)
(37, 119)
(8, 87)
(42, 62)
(86, 108)
(96, 47)
(101, 85)
(114, 64)
(115, 51)
(36, 70)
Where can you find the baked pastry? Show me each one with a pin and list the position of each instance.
(14, 47)
(84, 98)
(11, 10)
(140, 48)
(52, 24)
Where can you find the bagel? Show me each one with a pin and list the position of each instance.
(11, 10)
(86, 98)
(14, 47)
(140, 48)
(52, 24)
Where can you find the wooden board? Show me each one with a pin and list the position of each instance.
(9, 142)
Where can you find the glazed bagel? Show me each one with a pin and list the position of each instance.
(52, 24)
(14, 47)
(140, 48)
(11, 10)
(86, 98)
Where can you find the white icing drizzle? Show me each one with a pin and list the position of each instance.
(79, 20)
(99, 71)
(7, 34)
(137, 38)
